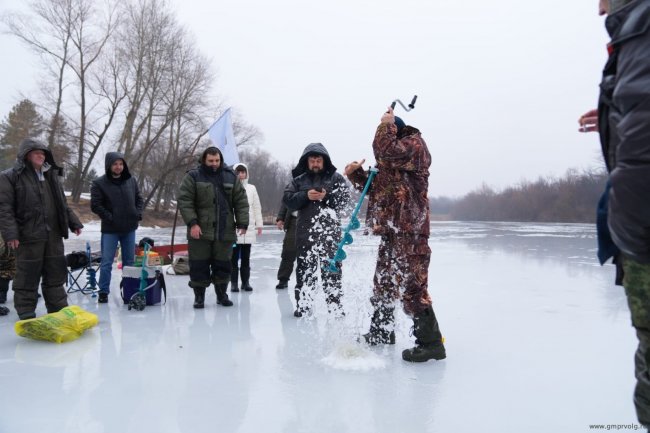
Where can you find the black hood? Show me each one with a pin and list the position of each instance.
(111, 157)
(205, 167)
(313, 149)
(29, 144)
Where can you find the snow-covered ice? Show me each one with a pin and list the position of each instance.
(538, 340)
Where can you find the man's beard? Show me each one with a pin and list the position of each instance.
(315, 170)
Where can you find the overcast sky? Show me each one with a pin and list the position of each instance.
(500, 85)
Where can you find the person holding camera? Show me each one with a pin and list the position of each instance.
(398, 211)
(320, 195)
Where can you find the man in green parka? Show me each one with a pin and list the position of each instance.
(213, 204)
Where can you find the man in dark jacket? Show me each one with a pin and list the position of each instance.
(115, 198)
(622, 122)
(286, 220)
(213, 204)
(320, 195)
(398, 211)
(34, 219)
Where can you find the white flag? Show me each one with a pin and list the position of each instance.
(222, 137)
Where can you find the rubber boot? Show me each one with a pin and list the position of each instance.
(381, 327)
(428, 339)
(222, 296)
(199, 297)
(245, 278)
(4, 288)
(234, 277)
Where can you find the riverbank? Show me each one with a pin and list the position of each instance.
(150, 218)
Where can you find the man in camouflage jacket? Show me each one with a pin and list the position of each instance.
(398, 211)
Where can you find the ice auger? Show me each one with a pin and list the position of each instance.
(352, 225)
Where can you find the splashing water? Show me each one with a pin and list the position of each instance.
(353, 356)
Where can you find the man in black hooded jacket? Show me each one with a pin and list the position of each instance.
(320, 195)
(115, 198)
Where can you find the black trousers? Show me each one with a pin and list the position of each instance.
(243, 252)
(289, 252)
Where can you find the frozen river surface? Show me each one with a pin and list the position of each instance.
(538, 340)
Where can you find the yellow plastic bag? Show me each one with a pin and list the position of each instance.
(65, 325)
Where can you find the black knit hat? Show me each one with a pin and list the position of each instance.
(399, 123)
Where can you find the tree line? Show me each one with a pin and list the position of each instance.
(571, 198)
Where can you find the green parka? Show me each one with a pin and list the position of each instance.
(216, 201)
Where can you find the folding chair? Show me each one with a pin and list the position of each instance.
(80, 264)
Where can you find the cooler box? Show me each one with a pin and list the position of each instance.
(130, 284)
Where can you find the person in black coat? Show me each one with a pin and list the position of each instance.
(286, 220)
(621, 120)
(115, 198)
(320, 195)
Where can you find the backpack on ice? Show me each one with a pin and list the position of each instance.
(181, 265)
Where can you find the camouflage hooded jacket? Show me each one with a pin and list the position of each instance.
(398, 202)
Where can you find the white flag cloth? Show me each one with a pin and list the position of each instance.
(222, 136)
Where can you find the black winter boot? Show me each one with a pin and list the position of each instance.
(199, 297)
(222, 296)
(245, 278)
(282, 284)
(428, 339)
(234, 280)
(4, 288)
(381, 327)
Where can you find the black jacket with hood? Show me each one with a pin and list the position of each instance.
(23, 215)
(313, 215)
(117, 201)
(623, 110)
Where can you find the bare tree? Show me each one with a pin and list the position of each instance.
(47, 31)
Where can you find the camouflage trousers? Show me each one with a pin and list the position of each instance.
(7, 262)
(209, 262)
(402, 271)
(636, 281)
